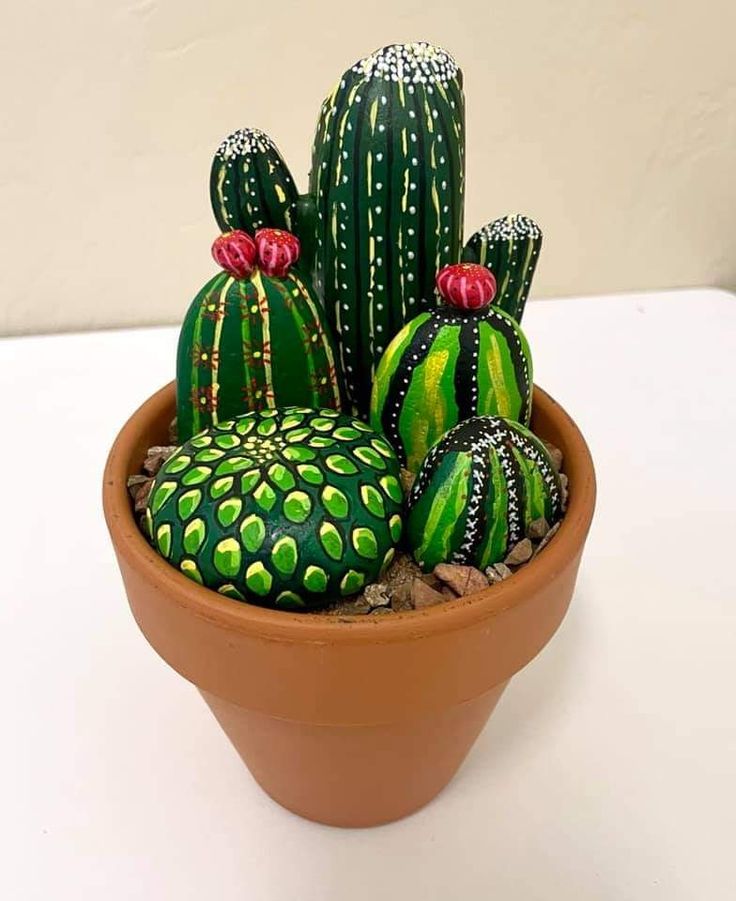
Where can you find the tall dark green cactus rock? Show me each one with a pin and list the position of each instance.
(509, 247)
(255, 336)
(477, 492)
(286, 508)
(387, 181)
(250, 184)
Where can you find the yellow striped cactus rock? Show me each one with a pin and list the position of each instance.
(465, 359)
(255, 336)
(387, 181)
(477, 492)
(285, 508)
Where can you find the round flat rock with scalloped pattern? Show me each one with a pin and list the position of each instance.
(286, 508)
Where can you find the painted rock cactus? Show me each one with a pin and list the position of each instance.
(387, 180)
(477, 491)
(450, 364)
(250, 184)
(249, 343)
(509, 247)
(284, 508)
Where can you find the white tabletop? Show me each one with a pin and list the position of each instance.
(609, 768)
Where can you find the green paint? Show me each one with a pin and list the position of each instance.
(250, 184)
(509, 247)
(315, 579)
(269, 527)
(335, 502)
(477, 491)
(446, 367)
(252, 344)
(252, 533)
(284, 555)
(373, 500)
(188, 502)
(228, 511)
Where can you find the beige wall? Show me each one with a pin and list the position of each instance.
(611, 122)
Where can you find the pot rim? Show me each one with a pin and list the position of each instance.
(282, 625)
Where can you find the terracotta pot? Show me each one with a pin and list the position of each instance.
(349, 721)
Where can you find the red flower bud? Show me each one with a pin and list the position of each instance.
(235, 252)
(466, 286)
(278, 250)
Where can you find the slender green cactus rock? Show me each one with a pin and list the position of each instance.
(253, 337)
(447, 365)
(477, 492)
(387, 179)
(285, 508)
(250, 184)
(509, 247)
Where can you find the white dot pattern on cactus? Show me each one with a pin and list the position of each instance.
(244, 141)
(419, 62)
(509, 227)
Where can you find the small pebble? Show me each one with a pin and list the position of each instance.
(492, 575)
(156, 458)
(564, 484)
(431, 580)
(502, 570)
(173, 432)
(519, 553)
(537, 529)
(376, 595)
(141, 498)
(135, 482)
(401, 598)
(424, 596)
(547, 538)
(461, 579)
(556, 455)
(381, 610)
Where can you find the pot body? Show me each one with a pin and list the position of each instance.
(349, 721)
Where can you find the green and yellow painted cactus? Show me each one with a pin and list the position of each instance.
(477, 492)
(387, 181)
(462, 360)
(255, 336)
(509, 247)
(251, 186)
(284, 508)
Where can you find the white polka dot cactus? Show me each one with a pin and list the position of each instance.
(509, 247)
(387, 179)
(250, 184)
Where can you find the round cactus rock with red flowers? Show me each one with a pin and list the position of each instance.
(465, 359)
(254, 337)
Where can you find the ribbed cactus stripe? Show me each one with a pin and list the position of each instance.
(495, 541)
(432, 378)
(221, 311)
(246, 330)
(265, 320)
(444, 513)
(330, 395)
